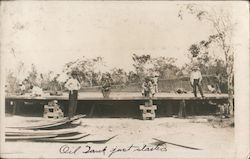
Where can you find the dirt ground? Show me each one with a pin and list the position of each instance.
(213, 135)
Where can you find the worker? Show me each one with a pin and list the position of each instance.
(148, 88)
(106, 85)
(218, 82)
(155, 82)
(211, 88)
(22, 88)
(36, 91)
(73, 86)
(195, 80)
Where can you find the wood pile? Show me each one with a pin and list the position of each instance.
(60, 131)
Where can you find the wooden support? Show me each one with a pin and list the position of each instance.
(52, 110)
(14, 107)
(182, 109)
(92, 110)
(192, 108)
(170, 109)
(150, 116)
(148, 110)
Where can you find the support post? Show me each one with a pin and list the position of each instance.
(182, 109)
(148, 110)
(92, 110)
(14, 107)
(169, 109)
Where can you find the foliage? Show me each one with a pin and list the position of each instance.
(12, 83)
(140, 65)
(145, 65)
(119, 76)
(87, 70)
(223, 28)
(33, 75)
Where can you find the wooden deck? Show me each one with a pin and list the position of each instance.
(119, 100)
(117, 96)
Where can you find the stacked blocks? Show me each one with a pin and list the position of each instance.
(52, 110)
(148, 110)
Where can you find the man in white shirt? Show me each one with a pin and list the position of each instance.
(73, 86)
(148, 88)
(36, 91)
(195, 79)
(155, 82)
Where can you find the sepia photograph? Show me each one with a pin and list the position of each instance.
(124, 79)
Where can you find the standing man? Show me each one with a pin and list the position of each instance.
(218, 82)
(148, 88)
(106, 85)
(155, 82)
(73, 86)
(195, 79)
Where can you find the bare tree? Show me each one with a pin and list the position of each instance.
(223, 26)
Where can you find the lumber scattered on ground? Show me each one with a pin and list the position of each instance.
(54, 132)
(86, 139)
(52, 125)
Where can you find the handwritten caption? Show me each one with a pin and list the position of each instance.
(110, 151)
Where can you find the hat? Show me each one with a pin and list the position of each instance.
(73, 73)
(147, 78)
(155, 74)
(195, 68)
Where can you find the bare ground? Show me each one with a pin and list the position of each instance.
(213, 135)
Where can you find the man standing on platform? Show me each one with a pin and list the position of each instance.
(148, 88)
(155, 82)
(73, 86)
(106, 85)
(195, 79)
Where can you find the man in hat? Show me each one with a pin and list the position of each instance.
(73, 86)
(106, 85)
(147, 88)
(195, 79)
(36, 91)
(155, 82)
(22, 88)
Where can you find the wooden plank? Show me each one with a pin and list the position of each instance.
(87, 139)
(15, 138)
(153, 107)
(179, 145)
(148, 115)
(41, 132)
(56, 124)
(121, 96)
(74, 137)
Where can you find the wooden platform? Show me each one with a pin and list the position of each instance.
(127, 96)
(118, 99)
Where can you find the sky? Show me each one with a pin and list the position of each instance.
(50, 34)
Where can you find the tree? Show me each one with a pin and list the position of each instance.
(140, 63)
(223, 28)
(133, 77)
(12, 83)
(33, 75)
(119, 76)
(194, 50)
(87, 70)
(165, 67)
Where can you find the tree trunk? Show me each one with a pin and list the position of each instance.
(230, 93)
(230, 84)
